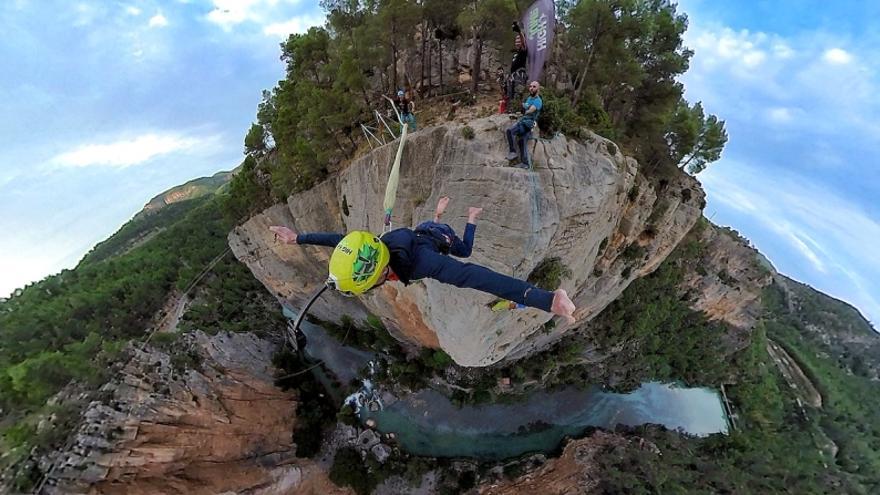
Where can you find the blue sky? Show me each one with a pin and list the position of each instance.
(797, 83)
(106, 104)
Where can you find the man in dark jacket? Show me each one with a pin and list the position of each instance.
(361, 261)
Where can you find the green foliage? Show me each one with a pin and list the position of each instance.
(694, 139)
(485, 20)
(348, 469)
(71, 326)
(436, 359)
(315, 411)
(558, 116)
(255, 140)
(468, 132)
(230, 299)
(633, 252)
(549, 273)
(246, 194)
(346, 415)
(622, 58)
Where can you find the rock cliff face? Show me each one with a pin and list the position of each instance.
(729, 278)
(585, 203)
(575, 471)
(223, 428)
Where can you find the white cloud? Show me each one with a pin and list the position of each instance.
(126, 152)
(727, 46)
(132, 10)
(837, 56)
(230, 13)
(780, 114)
(158, 20)
(86, 14)
(829, 231)
(299, 24)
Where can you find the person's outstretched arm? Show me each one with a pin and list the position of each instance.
(463, 248)
(288, 236)
(468, 275)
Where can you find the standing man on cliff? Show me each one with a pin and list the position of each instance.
(517, 72)
(520, 132)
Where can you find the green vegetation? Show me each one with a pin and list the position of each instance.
(468, 132)
(549, 273)
(53, 331)
(349, 470)
(363, 475)
(777, 449)
(622, 59)
(70, 327)
(315, 411)
(230, 299)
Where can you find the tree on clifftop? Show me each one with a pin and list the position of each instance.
(485, 20)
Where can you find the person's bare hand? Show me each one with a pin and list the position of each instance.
(473, 213)
(286, 235)
(441, 206)
(562, 305)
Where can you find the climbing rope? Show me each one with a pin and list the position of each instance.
(394, 176)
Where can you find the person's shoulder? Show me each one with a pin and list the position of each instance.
(398, 236)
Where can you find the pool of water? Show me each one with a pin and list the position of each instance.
(428, 423)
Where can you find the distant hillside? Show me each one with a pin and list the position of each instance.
(161, 211)
(189, 190)
(836, 327)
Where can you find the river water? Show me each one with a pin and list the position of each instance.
(427, 423)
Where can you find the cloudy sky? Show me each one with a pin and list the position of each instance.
(107, 103)
(797, 83)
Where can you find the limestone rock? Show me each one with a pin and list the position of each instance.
(575, 471)
(585, 203)
(221, 428)
(381, 452)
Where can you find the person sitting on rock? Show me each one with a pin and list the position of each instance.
(522, 130)
(362, 261)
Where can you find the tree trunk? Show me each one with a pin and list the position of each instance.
(440, 50)
(430, 65)
(394, 65)
(478, 56)
(424, 49)
(582, 76)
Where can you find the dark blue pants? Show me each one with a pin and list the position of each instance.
(520, 133)
(431, 264)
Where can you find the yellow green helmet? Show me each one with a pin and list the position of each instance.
(357, 262)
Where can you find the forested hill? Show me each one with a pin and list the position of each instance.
(66, 331)
(193, 189)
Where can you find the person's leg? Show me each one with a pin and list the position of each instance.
(524, 145)
(511, 150)
(430, 264)
(521, 133)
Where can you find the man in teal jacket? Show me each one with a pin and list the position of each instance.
(522, 130)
